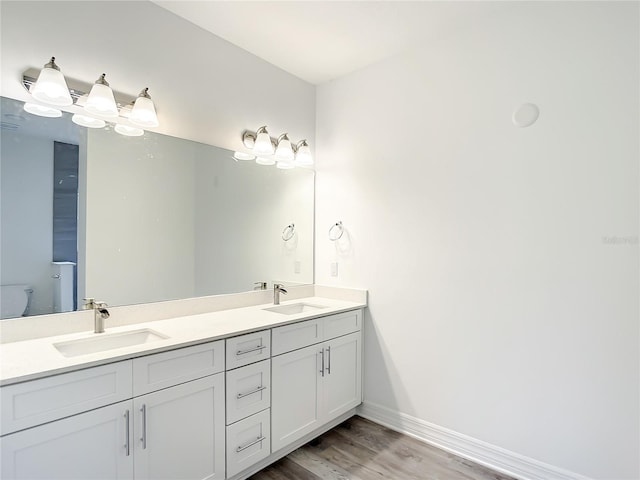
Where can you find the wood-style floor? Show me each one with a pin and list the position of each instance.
(359, 449)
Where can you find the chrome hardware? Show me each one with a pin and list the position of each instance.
(100, 313)
(257, 440)
(126, 435)
(259, 389)
(260, 286)
(322, 369)
(278, 288)
(336, 231)
(329, 360)
(254, 349)
(143, 438)
(56, 276)
(288, 232)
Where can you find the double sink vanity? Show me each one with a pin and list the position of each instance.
(211, 395)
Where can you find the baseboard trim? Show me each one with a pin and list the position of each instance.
(491, 456)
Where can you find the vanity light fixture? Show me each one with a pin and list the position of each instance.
(269, 151)
(303, 154)
(42, 110)
(143, 113)
(284, 152)
(261, 142)
(101, 101)
(51, 87)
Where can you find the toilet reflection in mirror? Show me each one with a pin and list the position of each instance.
(156, 217)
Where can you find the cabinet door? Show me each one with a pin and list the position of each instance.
(180, 431)
(295, 395)
(342, 384)
(92, 445)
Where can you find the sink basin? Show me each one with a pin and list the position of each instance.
(294, 308)
(101, 342)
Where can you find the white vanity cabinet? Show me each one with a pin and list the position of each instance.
(311, 385)
(174, 428)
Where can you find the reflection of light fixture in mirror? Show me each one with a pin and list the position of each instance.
(265, 161)
(143, 113)
(303, 154)
(284, 152)
(42, 111)
(51, 87)
(129, 131)
(88, 122)
(243, 156)
(262, 143)
(101, 101)
(285, 165)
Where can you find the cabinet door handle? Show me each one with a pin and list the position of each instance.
(254, 349)
(255, 390)
(143, 438)
(329, 360)
(322, 368)
(126, 433)
(251, 444)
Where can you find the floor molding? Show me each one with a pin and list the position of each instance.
(491, 456)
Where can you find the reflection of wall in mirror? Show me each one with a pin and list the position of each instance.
(26, 190)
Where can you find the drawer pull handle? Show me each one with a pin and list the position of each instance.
(126, 436)
(329, 360)
(244, 447)
(246, 394)
(322, 368)
(254, 349)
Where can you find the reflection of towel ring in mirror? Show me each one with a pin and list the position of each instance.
(287, 233)
(336, 231)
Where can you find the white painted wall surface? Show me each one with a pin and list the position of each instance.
(26, 237)
(204, 88)
(501, 304)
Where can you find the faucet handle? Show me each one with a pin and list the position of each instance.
(89, 303)
(100, 304)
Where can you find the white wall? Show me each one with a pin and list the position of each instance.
(204, 88)
(27, 215)
(500, 307)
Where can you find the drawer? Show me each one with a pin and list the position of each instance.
(162, 370)
(342, 324)
(36, 402)
(248, 442)
(248, 390)
(295, 336)
(246, 349)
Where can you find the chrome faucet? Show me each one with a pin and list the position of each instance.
(277, 290)
(100, 313)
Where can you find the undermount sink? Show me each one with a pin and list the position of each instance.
(101, 342)
(294, 308)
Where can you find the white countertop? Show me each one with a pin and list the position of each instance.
(30, 359)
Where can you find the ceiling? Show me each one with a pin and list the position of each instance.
(318, 41)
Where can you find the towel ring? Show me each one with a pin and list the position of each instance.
(336, 231)
(287, 233)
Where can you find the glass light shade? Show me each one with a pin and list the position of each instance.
(129, 131)
(88, 122)
(303, 156)
(51, 88)
(285, 165)
(243, 156)
(42, 110)
(101, 101)
(265, 161)
(143, 113)
(263, 145)
(284, 152)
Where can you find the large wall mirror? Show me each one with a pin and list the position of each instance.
(91, 213)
